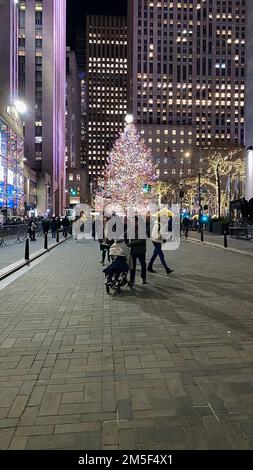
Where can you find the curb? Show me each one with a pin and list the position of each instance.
(215, 245)
(13, 268)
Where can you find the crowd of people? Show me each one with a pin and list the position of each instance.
(124, 253)
(49, 224)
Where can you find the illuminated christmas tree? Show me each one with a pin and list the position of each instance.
(130, 174)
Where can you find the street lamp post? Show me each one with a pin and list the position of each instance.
(200, 205)
(49, 195)
(219, 191)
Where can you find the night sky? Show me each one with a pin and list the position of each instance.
(77, 9)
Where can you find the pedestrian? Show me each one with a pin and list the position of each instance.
(59, 223)
(158, 238)
(65, 226)
(33, 228)
(45, 225)
(186, 225)
(54, 227)
(138, 253)
(105, 243)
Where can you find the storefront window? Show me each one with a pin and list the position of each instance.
(11, 169)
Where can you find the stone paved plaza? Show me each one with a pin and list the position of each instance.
(12, 253)
(166, 366)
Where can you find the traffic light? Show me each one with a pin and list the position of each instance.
(147, 188)
(73, 192)
(204, 218)
(181, 194)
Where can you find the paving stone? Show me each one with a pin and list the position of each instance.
(77, 427)
(197, 437)
(8, 423)
(219, 443)
(236, 438)
(124, 408)
(127, 439)
(37, 395)
(89, 441)
(133, 362)
(79, 408)
(50, 441)
(247, 428)
(8, 396)
(4, 412)
(139, 400)
(110, 433)
(213, 427)
(50, 404)
(34, 430)
(92, 392)
(176, 388)
(5, 438)
(217, 404)
(72, 397)
(108, 400)
(18, 443)
(27, 387)
(18, 406)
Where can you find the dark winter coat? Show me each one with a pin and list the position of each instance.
(138, 247)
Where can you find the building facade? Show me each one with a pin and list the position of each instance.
(249, 104)
(73, 112)
(187, 77)
(83, 141)
(81, 64)
(42, 82)
(77, 185)
(106, 87)
(11, 125)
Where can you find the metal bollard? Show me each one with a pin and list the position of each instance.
(57, 236)
(46, 242)
(202, 235)
(225, 240)
(27, 250)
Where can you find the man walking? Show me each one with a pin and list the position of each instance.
(54, 226)
(138, 252)
(65, 226)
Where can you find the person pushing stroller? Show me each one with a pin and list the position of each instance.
(116, 273)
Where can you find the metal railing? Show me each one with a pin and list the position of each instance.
(15, 234)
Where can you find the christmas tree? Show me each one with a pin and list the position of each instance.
(130, 176)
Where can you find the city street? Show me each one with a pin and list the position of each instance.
(165, 366)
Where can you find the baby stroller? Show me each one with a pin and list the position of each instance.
(116, 273)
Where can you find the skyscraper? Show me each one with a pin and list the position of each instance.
(81, 64)
(187, 77)
(42, 82)
(249, 103)
(77, 177)
(11, 125)
(107, 86)
(73, 112)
